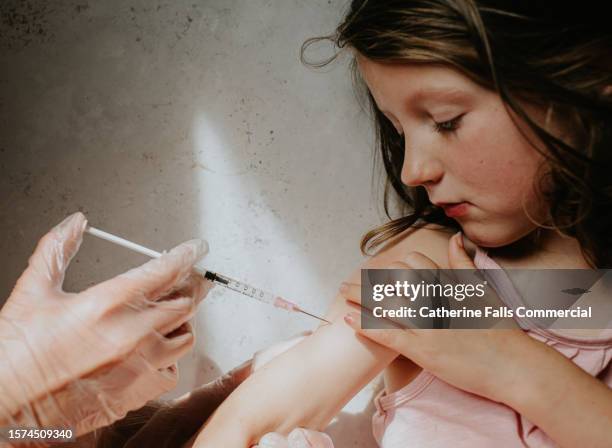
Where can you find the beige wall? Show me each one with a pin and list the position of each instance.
(164, 121)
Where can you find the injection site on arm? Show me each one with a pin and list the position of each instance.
(310, 383)
(305, 386)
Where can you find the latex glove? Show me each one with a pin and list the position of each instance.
(298, 438)
(169, 424)
(83, 360)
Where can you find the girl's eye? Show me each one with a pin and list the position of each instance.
(448, 126)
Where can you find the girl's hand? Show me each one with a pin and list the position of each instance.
(487, 362)
(298, 438)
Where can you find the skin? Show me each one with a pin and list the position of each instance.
(486, 161)
(343, 361)
(489, 161)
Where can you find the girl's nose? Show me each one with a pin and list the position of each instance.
(420, 168)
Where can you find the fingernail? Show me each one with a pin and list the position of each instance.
(85, 222)
(66, 228)
(67, 220)
(459, 239)
(297, 439)
(197, 248)
(350, 318)
(344, 288)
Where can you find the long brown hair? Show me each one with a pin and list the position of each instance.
(554, 56)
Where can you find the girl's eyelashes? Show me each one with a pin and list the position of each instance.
(448, 126)
(443, 127)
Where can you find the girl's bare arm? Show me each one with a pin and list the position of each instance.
(310, 383)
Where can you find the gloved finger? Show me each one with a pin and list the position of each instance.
(184, 416)
(226, 383)
(47, 265)
(147, 385)
(351, 292)
(138, 381)
(194, 286)
(168, 315)
(127, 326)
(273, 440)
(106, 396)
(163, 351)
(155, 278)
(301, 437)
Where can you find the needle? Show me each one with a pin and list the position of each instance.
(223, 280)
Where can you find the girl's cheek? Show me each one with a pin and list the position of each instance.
(492, 144)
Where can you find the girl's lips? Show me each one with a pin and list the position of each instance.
(456, 209)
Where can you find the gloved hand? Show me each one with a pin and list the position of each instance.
(83, 360)
(167, 424)
(177, 421)
(298, 438)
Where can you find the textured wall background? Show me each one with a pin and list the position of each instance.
(167, 120)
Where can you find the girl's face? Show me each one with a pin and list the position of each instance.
(462, 146)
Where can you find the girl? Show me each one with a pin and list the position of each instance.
(491, 119)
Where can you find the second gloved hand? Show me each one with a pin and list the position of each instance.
(298, 438)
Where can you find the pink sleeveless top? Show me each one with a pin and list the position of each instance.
(429, 413)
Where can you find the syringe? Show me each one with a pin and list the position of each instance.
(223, 280)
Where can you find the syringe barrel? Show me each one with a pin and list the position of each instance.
(255, 293)
(238, 286)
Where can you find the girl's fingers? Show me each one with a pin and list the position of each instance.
(414, 260)
(458, 257)
(464, 269)
(422, 267)
(351, 292)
